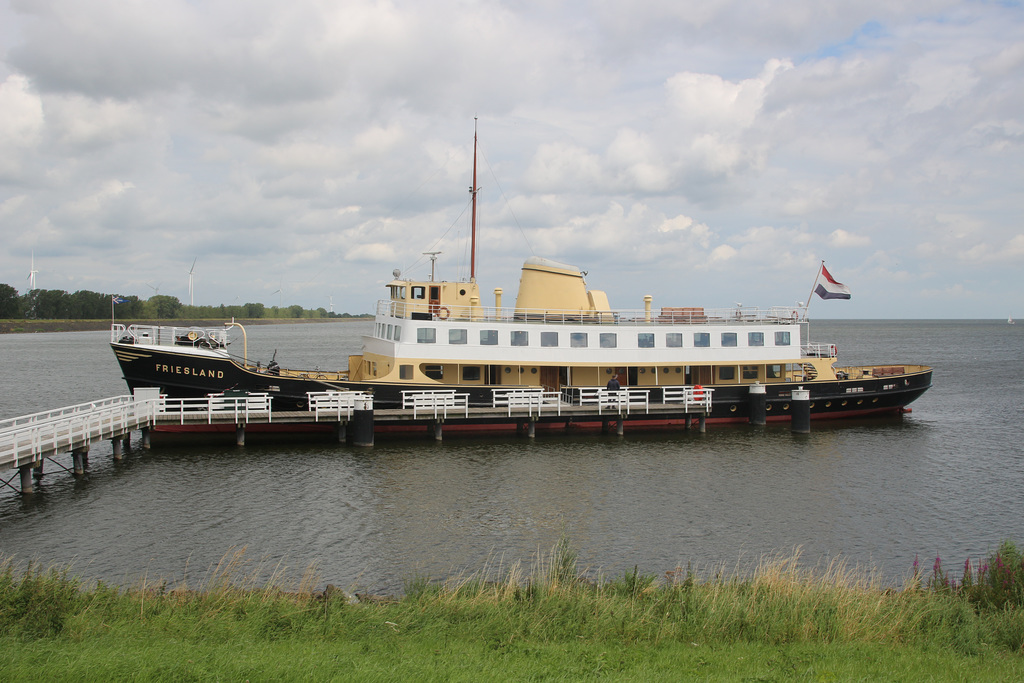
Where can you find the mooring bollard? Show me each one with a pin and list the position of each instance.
(800, 415)
(758, 400)
(362, 422)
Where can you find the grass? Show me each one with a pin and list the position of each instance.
(548, 620)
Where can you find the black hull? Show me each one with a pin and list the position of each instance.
(184, 375)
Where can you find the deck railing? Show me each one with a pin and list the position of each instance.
(528, 399)
(776, 315)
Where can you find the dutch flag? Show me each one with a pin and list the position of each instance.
(829, 288)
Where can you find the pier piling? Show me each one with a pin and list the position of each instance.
(239, 434)
(115, 447)
(800, 415)
(26, 478)
(77, 458)
(362, 422)
(758, 404)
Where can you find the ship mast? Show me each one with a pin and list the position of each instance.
(473, 190)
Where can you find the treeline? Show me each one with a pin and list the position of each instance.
(56, 304)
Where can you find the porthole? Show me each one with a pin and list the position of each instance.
(859, 401)
(828, 404)
(785, 406)
(843, 403)
(667, 371)
(874, 400)
(812, 404)
(533, 370)
(462, 292)
(508, 371)
(522, 370)
(608, 371)
(643, 371)
(732, 409)
(679, 371)
(768, 407)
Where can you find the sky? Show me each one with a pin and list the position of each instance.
(706, 153)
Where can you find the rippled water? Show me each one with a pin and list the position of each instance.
(946, 479)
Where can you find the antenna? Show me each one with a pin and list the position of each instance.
(473, 191)
(433, 258)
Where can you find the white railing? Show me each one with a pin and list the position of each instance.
(61, 413)
(74, 428)
(815, 350)
(155, 335)
(216, 406)
(656, 316)
(617, 400)
(334, 404)
(689, 396)
(437, 402)
(529, 399)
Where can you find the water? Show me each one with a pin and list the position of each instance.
(944, 480)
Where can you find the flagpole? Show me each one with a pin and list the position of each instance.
(811, 295)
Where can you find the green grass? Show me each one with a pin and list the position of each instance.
(779, 622)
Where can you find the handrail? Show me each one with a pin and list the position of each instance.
(526, 398)
(437, 401)
(775, 315)
(334, 403)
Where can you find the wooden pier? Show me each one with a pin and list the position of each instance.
(27, 442)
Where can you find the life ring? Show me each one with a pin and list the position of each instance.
(443, 313)
(698, 392)
(795, 316)
(193, 335)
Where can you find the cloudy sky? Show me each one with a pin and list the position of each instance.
(705, 152)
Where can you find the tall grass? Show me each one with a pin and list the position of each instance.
(551, 600)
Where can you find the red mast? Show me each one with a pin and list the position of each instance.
(473, 190)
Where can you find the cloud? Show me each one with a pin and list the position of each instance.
(721, 138)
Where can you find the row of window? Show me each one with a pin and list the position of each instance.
(582, 340)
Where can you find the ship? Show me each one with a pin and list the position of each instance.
(558, 336)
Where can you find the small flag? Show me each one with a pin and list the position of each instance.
(829, 288)
(118, 300)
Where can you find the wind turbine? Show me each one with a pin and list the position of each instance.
(156, 290)
(191, 291)
(32, 273)
(331, 297)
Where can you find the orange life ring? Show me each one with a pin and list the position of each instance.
(795, 316)
(443, 312)
(698, 392)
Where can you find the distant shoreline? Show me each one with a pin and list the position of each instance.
(27, 326)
